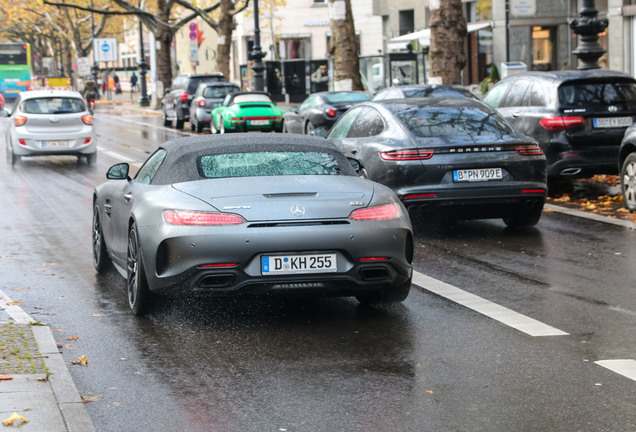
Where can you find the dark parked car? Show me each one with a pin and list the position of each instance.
(627, 168)
(578, 117)
(175, 106)
(207, 97)
(423, 90)
(453, 156)
(321, 110)
(251, 214)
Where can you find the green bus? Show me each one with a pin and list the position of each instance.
(15, 68)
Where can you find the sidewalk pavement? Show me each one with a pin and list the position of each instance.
(35, 382)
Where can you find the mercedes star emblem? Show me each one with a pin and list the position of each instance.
(612, 108)
(298, 210)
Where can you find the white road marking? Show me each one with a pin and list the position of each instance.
(14, 311)
(119, 157)
(626, 367)
(485, 307)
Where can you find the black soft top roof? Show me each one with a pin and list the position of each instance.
(179, 164)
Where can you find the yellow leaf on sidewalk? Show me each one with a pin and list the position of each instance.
(14, 417)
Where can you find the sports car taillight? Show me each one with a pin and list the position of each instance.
(19, 121)
(184, 97)
(189, 217)
(330, 112)
(386, 211)
(529, 150)
(87, 119)
(560, 123)
(410, 154)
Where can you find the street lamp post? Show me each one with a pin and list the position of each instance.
(144, 101)
(256, 55)
(588, 27)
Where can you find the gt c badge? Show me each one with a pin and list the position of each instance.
(298, 210)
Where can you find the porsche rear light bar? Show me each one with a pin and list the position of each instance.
(19, 121)
(189, 217)
(410, 154)
(529, 150)
(533, 191)
(420, 196)
(386, 211)
(561, 123)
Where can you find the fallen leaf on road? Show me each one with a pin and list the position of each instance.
(87, 399)
(5, 378)
(57, 331)
(49, 264)
(14, 417)
(42, 378)
(21, 289)
(73, 338)
(82, 361)
(15, 303)
(96, 315)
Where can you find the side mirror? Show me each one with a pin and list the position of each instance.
(4, 113)
(118, 172)
(321, 132)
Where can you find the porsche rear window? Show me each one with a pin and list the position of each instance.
(53, 105)
(450, 121)
(268, 164)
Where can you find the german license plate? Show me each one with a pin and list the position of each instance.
(293, 264)
(259, 122)
(483, 174)
(611, 122)
(54, 144)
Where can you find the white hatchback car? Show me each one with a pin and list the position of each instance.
(50, 122)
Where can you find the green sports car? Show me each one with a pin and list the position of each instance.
(245, 112)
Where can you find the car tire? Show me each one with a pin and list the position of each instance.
(525, 218)
(178, 123)
(222, 126)
(164, 118)
(380, 297)
(198, 127)
(13, 158)
(91, 158)
(628, 181)
(100, 255)
(191, 126)
(309, 127)
(139, 296)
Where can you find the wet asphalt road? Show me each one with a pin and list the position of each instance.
(329, 364)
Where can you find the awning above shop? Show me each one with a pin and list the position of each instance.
(424, 36)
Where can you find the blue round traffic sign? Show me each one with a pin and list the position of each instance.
(105, 47)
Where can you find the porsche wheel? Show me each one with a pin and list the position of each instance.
(222, 126)
(139, 296)
(100, 256)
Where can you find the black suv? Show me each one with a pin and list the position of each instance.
(176, 103)
(578, 117)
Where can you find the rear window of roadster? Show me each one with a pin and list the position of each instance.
(268, 164)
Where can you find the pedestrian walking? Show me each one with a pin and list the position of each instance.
(133, 82)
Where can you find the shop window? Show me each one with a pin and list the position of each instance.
(543, 42)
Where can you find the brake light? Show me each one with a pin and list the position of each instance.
(560, 123)
(374, 259)
(529, 150)
(87, 119)
(22, 142)
(330, 112)
(184, 97)
(533, 191)
(19, 121)
(201, 103)
(420, 196)
(411, 154)
(87, 141)
(386, 211)
(188, 217)
(222, 265)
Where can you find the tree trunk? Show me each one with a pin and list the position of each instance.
(225, 29)
(164, 35)
(344, 47)
(448, 36)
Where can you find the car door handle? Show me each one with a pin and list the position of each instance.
(128, 197)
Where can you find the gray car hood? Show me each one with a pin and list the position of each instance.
(280, 198)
